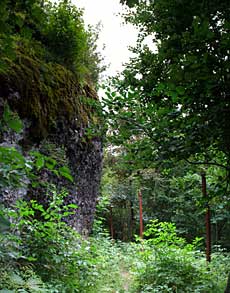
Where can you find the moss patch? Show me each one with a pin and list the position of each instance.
(47, 92)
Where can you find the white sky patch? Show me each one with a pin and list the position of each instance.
(115, 35)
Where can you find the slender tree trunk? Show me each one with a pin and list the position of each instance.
(111, 222)
(141, 213)
(207, 220)
(131, 220)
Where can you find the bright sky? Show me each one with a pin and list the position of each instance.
(114, 35)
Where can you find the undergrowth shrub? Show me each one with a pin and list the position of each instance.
(43, 245)
(42, 254)
(168, 264)
(21, 280)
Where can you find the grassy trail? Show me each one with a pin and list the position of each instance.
(126, 280)
(117, 274)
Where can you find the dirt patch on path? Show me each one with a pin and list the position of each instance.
(126, 280)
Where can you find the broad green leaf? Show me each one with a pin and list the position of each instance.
(12, 120)
(15, 124)
(40, 162)
(65, 172)
(72, 205)
(50, 163)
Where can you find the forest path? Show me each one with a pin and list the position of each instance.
(126, 280)
(117, 275)
(126, 276)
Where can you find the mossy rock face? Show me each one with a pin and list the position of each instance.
(58, 110)
(47, 91)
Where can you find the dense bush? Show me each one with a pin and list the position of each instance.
(65, 35)
(168, 264)
(42, 254)
(41, 240)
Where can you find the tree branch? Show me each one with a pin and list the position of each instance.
(209, 163)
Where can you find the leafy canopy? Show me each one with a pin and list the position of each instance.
(174, 95)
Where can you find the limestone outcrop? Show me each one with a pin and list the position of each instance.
(60, 120)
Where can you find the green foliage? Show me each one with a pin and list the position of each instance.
(41, 161)
(16, 170)
(4, 223)
(168, 264)
(172, 92)
(110, 259)
(41, 240)
(118, 197)
(21, 281)
(163, 233)
(11, 120)
(171, 194)
(13, 167)
(43, 254)
(47, 248)
(65, 35)
(55, 30)
(44, 235)
(130, 3)
(166, 106)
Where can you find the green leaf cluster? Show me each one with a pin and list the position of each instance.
(11, 120)
(54, 31)
(168, 264)
(176, 88)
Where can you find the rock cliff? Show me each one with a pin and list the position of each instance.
(60, 120)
